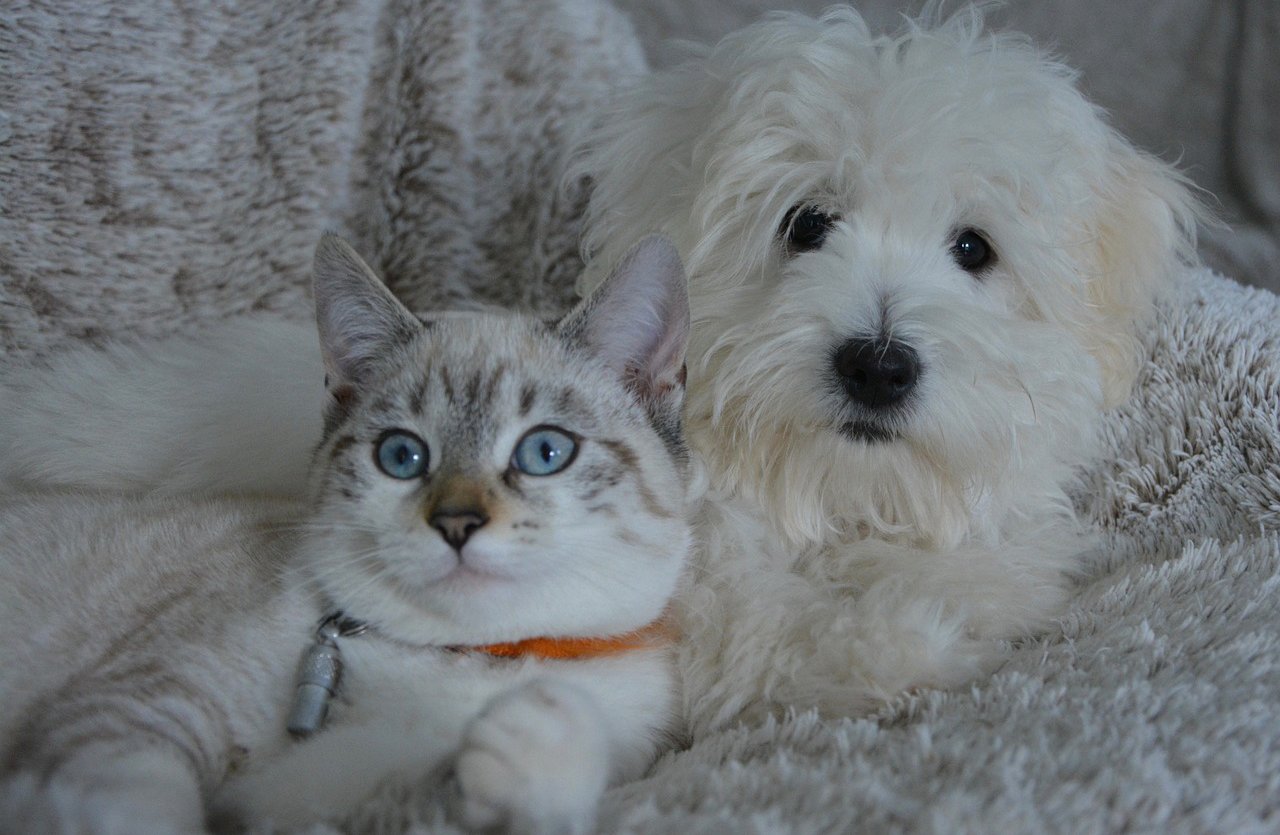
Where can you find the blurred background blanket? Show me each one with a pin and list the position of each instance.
(170, 162)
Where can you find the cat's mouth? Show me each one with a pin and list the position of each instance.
(464, 573)
(467, 570)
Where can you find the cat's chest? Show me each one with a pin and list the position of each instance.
(384, 682)
(402, 713)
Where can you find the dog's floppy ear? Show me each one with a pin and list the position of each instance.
(1144, 229)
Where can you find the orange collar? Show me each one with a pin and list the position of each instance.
(320, 671)
(655, 635)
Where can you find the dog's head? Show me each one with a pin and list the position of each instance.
(916, 265)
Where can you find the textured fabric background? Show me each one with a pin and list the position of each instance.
(166, 162)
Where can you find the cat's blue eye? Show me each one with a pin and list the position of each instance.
(401, 454)
(544, 450)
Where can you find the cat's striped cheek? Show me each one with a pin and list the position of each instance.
(627, 467)
(342, 475)
(526, 530)
(594, 480)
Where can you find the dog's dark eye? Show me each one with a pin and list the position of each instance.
(805, 227)
(972, 252)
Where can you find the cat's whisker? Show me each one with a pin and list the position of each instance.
(340, 565)
(335, 526)
(591, 579)
(342, 562)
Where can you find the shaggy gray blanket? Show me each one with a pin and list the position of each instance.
(168, 161)
(165, 163)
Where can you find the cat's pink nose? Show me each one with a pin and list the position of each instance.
(456, 526)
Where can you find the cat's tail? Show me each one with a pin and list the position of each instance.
(235, 409)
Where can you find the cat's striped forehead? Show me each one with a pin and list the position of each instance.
(472, 375)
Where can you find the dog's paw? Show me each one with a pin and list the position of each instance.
(535, 761)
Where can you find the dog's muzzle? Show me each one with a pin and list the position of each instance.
(877, 373)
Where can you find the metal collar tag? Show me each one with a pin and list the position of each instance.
(319, 674)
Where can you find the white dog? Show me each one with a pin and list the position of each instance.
(916, 267)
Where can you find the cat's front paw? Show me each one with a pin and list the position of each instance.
(29, 804)
(535, 761)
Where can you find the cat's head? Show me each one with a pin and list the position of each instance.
(488, 477)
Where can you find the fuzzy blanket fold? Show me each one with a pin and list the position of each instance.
(166, 163)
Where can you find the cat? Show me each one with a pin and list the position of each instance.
(472, 593)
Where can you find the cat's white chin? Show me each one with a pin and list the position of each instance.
(467, 576)
(480, 567)
(471, 607)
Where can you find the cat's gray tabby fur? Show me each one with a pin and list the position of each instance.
(151, 645)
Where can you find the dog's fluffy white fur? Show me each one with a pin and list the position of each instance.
(842, 564)
(834, 570)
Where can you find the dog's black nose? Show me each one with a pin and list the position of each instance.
(456, 526)
(877, 373)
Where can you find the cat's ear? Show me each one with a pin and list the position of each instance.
(360, 322)
(637, 321)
